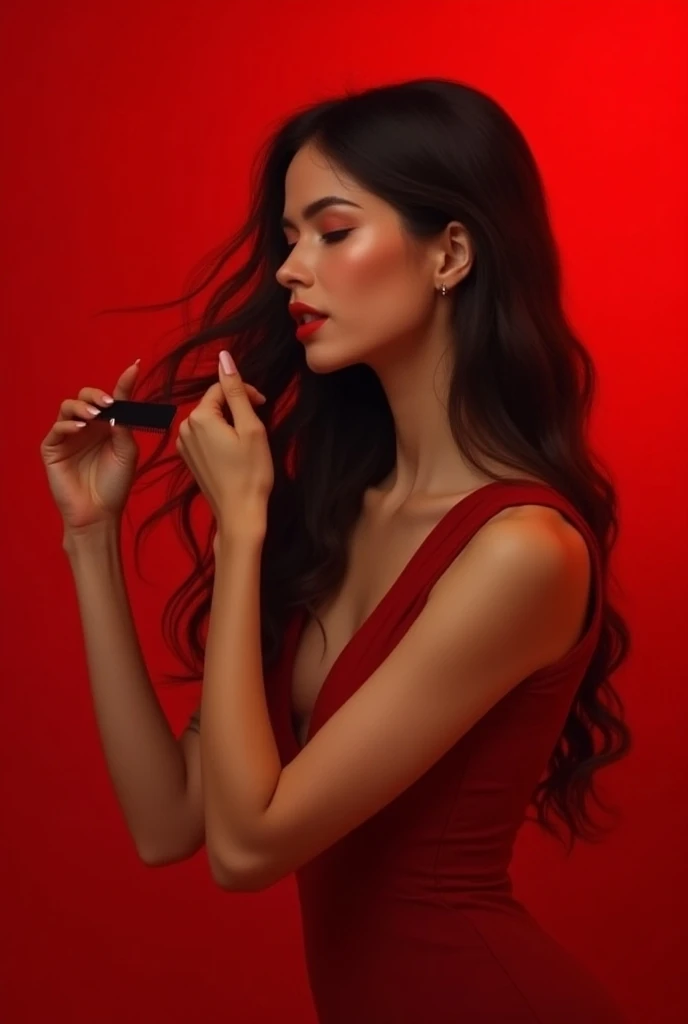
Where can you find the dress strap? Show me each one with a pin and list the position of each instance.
(460, 525)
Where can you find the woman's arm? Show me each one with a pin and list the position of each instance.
(513, 602)
(155, 777)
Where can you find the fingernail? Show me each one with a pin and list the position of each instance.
(107, 399)
(227, 362)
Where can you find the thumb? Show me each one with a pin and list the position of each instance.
(125, 384)
(235, 392)
(123, 442)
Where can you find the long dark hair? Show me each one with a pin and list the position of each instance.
(521, 392)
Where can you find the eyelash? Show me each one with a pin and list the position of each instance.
(331, 238)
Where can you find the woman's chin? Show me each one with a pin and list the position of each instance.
(324, 359)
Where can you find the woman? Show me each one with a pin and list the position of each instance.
(400, 617)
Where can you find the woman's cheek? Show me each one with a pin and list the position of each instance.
(365, 263)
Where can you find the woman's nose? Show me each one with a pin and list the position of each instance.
(293, 272)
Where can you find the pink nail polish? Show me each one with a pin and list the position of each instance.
(227, 362)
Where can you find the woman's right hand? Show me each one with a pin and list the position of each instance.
(90, 466)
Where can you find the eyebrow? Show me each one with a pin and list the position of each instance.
(310, 211)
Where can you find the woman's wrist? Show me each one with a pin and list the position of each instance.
(93, 536)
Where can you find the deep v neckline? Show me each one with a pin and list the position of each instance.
(435, 536)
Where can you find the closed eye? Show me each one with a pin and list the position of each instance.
(336, 236)
(331, 238)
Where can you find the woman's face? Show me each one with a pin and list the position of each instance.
(376, 285)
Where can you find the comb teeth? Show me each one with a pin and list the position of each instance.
(144, 430)
(153, 417)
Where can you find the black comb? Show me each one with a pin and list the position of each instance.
(152, 416)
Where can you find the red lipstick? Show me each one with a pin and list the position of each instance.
(316, 318)
(305, 330)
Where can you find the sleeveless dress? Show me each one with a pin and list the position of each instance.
(410, 918)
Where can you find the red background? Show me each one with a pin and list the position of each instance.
(129, 130)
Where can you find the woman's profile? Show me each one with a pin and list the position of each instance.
(401, 614)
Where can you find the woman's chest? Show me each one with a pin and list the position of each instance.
(376, 559)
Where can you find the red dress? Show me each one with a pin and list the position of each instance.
(410, 918)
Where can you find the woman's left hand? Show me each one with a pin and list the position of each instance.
(232, 464)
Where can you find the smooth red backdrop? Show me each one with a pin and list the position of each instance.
(128, 133)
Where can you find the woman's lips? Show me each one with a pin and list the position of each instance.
(304, 331)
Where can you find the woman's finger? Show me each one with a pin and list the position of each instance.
(125, 385)
(255, 393)
(60, 430)
(74, 408)
(95, 396)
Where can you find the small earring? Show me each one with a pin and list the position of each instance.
(444, 289)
